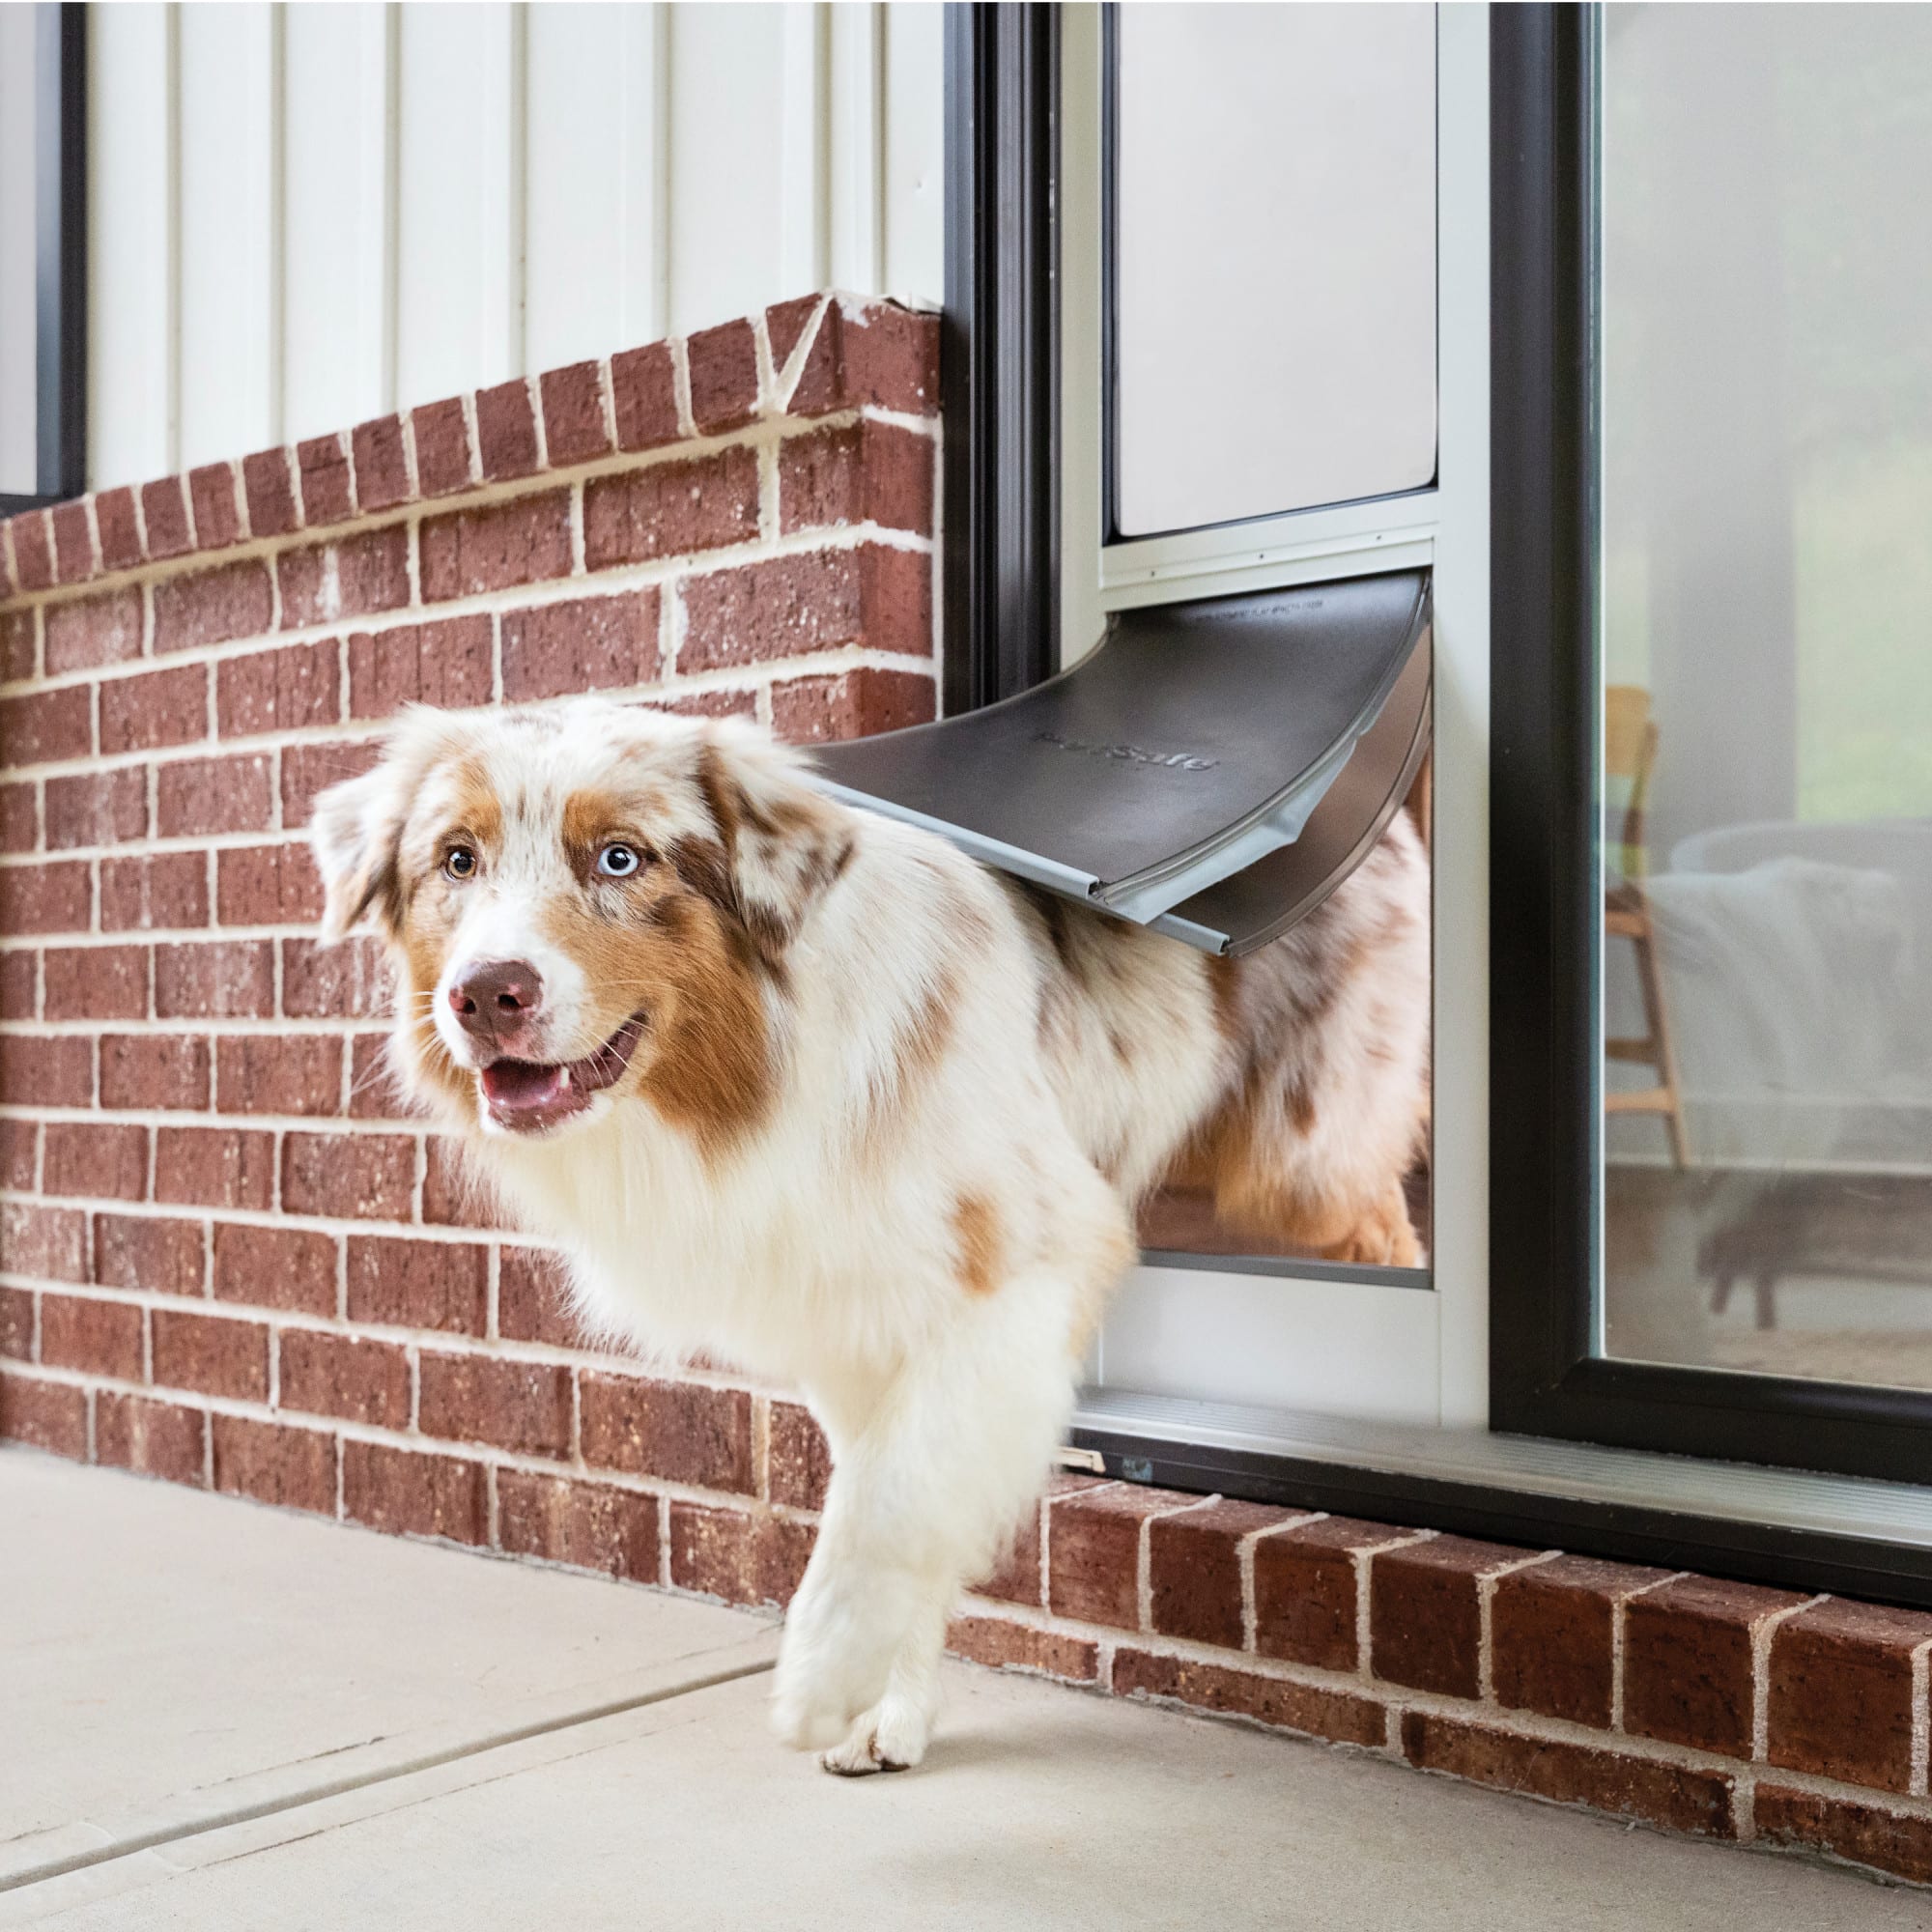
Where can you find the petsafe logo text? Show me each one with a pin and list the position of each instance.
(1178, 761)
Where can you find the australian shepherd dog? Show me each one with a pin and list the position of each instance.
(808, 1090)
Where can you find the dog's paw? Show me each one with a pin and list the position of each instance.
(891, 1738)
(805, 1718)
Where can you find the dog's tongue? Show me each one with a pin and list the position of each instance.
(513, 1085)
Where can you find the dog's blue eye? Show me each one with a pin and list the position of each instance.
(619, 861)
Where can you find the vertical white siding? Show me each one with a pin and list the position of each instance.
(302, 216)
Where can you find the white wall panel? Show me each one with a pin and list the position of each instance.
(595, 259)
(302, 216)
(339, 215)
(230, 150)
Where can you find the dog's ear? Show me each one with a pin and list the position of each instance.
(785, 843)
(357, 828)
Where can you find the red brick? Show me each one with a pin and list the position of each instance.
(231, 978)
(454, 1196)
(280, 691)
(1342, 1715)
(1551, 1639)
(742, 1557)
(523, 541)
(359, 1176)
(18, 980)
(96, 1159)
(307, 769)
(875, 353)
(295, 1467)
(800, 1458)
(46, 1415)
(20, 648)
(266, 885)
(217, 516)
(346, 980)
(46, 725)
(591, 643)
(289, 1074)
(418, 1283)
(346, 1376)
(585, 1525)
(47, 1243)
(442, 439)
(788, 606)
(94, 982)
(46, 1071)
(275, 1267)
(867, 473)
(17, 1322)
(197, 796)
(33, 550)
(19, 1154)
(119, 533)
(327, 484)
(98, 1338)
(644, 390)
(375, 1092)
(1425, 1612)
(723, 368)
(1008, 1646)
(785, 325)
(74, 541)
(1842, 1700)
(381, 465)
(1015, 1578)
(1899, 1842)
(152, 1438)
(572, 414)
(531, 1303)
(1093, 1543)
(413, 1495)
(165, 516)
(679, 1430)
(156, 708)
(214, 1354)
(347, 576)
(45, 898)
(511, 1405)
(670, 509)
(1194, 1569)
(153, 1071)
(853, 704)
(19, 816)
(89, 630)
(445, 664)
(1688, 1662)
(155, 1254)
(213, 605)
(271, 492)
(1679, 1798)
(506, 431)
(167, 893)
(214, 1167)
(96, 808)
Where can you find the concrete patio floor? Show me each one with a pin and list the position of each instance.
(218, 1715)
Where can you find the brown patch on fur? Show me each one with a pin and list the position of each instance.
(1224, 987)
(920, 1039)
(592, 819)
(982, 1245)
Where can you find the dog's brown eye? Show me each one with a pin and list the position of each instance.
(618, 860)
(460, 862)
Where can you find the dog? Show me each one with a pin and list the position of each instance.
(807, 1090)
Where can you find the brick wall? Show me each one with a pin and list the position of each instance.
(228, 1259)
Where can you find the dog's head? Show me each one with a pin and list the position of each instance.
(584, 906)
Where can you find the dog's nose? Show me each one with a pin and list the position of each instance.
(495, 999)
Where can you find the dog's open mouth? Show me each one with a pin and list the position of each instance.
(527, 1096)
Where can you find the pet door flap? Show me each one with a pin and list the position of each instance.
(1212, 768)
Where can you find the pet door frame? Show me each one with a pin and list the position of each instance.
(1511, 343)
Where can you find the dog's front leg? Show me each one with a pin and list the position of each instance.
(924, 1489)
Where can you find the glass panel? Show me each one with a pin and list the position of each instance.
(1765, 582)
(1274, 259)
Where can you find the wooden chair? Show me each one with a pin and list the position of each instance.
(1630, 754)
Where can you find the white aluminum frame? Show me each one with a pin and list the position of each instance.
(1358, 1351)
